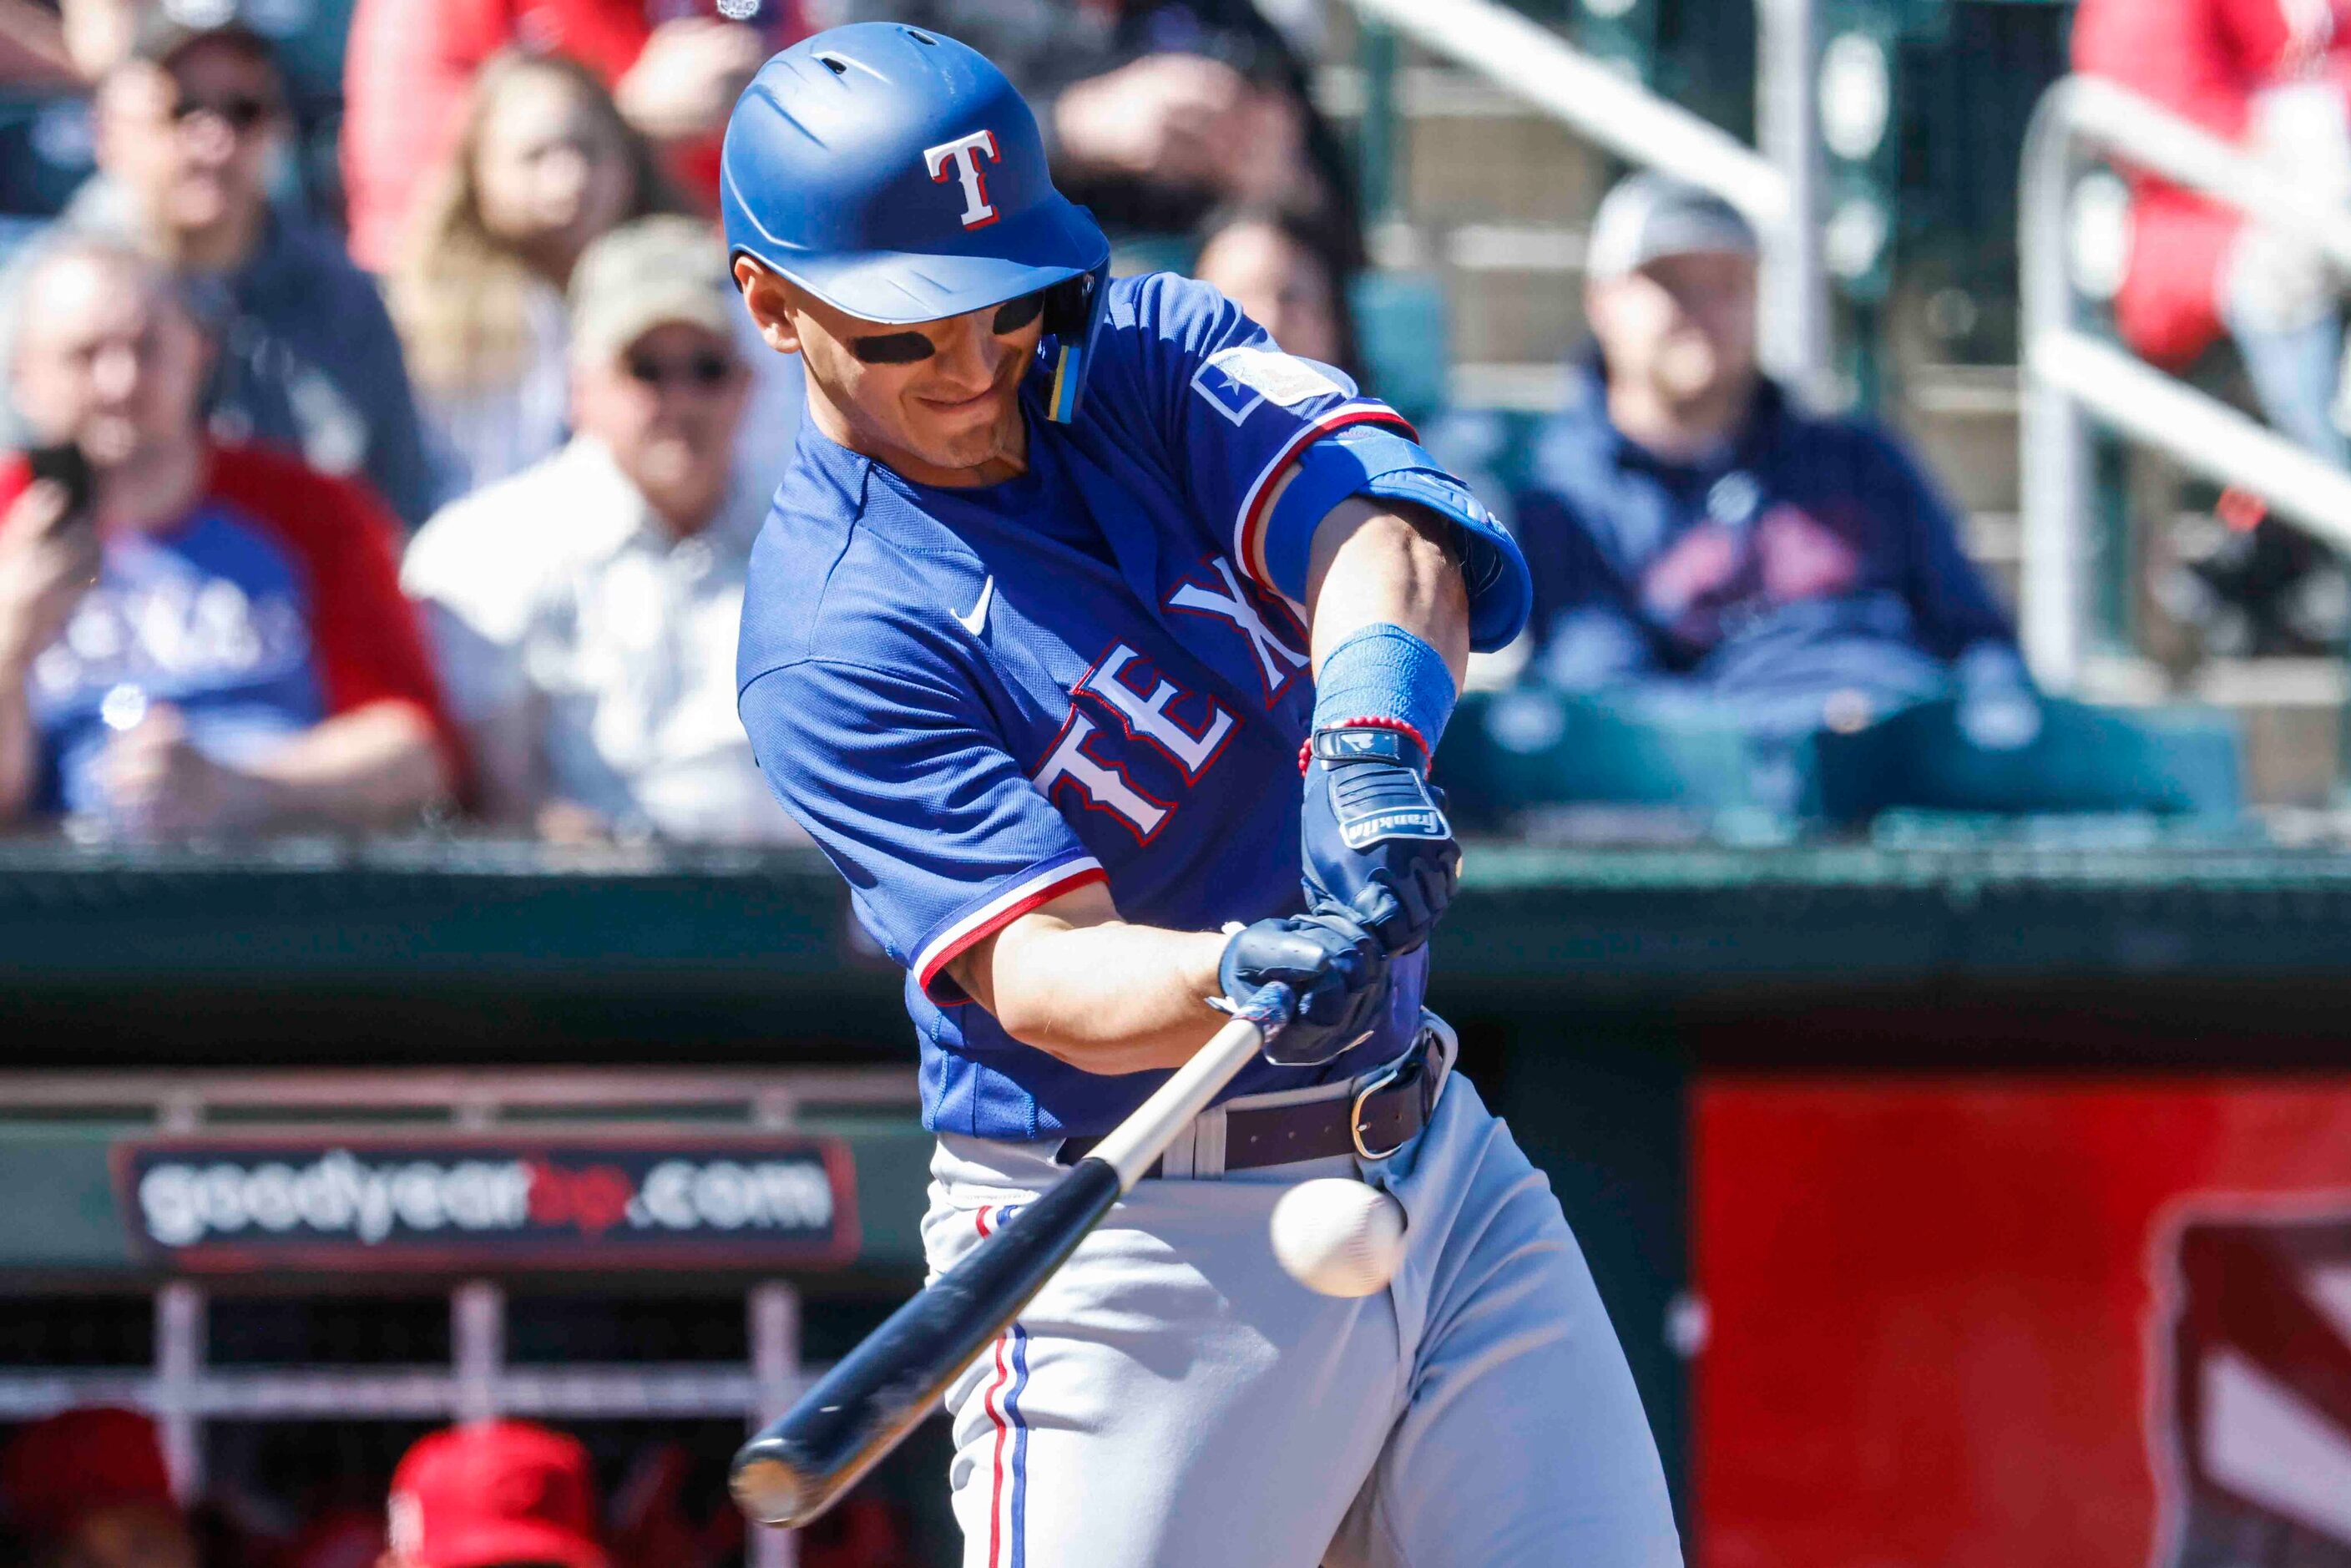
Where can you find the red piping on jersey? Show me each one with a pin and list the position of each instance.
(1248, 540)
(1078, 877)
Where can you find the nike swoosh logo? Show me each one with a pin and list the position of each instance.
(978, 616)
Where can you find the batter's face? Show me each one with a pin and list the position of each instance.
(938, 401)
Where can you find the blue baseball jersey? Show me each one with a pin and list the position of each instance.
(979, 700)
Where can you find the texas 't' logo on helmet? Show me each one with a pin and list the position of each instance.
(960, 158)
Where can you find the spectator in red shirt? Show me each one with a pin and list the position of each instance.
(88, 1489)
(675, 66)
(216, 642)
(2274, 75)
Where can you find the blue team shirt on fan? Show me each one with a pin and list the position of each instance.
(978, 700)
(212, 617)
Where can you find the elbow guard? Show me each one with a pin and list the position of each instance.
(1369, 460)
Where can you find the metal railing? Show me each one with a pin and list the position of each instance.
(1779, 193)
(2071, 375)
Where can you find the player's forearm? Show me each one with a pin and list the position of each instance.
(1107, 997)
(1378, 562)
(376, 766)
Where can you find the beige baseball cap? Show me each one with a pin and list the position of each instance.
(644, 274)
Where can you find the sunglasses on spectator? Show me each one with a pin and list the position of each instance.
(911, 348)
(707, 369)
(240, 112)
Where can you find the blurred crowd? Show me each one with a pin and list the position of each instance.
(2274, 77)
(399, 463)
(88, 1487)
(425, 489)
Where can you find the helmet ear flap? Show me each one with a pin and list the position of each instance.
(1070, 308)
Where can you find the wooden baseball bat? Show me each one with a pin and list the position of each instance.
(796, 1469)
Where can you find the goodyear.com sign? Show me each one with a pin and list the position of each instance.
(479, 1202)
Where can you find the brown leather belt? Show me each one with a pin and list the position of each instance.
(1381, 1113)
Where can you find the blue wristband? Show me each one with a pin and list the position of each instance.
(1384, 672)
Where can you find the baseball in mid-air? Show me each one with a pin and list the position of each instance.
(1337, 1237)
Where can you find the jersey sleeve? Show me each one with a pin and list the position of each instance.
(1264, 444)
(941, 836)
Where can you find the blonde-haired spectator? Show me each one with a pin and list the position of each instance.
(543, 165)
(674, 73)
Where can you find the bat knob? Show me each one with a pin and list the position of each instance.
(773, 1492)
(1270, 1008)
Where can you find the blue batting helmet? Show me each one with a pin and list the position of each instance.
(896, 175)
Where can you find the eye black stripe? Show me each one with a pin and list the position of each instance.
(1015, 314)
(892, 347)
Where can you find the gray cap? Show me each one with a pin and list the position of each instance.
(1650, 215)
(644, 274)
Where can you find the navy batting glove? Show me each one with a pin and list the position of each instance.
(1338, 970)
(1378, 845)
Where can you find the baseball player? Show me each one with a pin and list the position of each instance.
(1102, 646)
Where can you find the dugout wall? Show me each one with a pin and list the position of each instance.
(297, 1273)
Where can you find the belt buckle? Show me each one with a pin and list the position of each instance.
(1395, 1072)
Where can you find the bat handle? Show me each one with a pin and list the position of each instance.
(1144, 1136)
(792, 1471)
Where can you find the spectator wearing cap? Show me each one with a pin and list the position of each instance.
(1697, 537)
(88, 1489)
(215, 641)
(585, 610)
(496, 1494)
(306, 361)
